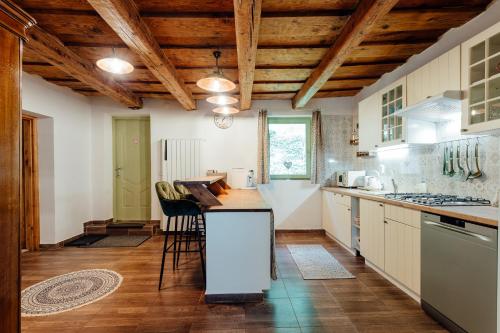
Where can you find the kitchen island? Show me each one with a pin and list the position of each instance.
(239, 248)
(239, 241)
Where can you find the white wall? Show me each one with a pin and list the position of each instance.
(296, 203)
(66, 189)
(222, 149)
(46, 180)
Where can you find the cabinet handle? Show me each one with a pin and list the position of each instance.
(386, 222)
(381, 205)
(348, 209)
(464, 130)
(403, 140)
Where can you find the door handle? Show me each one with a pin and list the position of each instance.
(463, 232)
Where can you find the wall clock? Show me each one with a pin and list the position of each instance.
(223, 121)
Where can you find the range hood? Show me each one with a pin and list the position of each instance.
(440, 108)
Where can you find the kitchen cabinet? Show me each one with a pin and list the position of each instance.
(372, 243)
(391, 100)
(481, 82)
(342, 224)
(327, 211)
(369, 120)
(402, 246)
(336, 218)
(435, 77)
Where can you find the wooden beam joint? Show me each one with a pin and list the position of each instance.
(364, 18)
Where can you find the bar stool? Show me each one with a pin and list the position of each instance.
(176, 207)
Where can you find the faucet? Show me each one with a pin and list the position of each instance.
(394, 185)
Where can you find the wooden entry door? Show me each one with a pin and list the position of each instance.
(30, 213)
(132, 169)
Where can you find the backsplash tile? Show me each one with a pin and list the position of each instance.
(411, 166)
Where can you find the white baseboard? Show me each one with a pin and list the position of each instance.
(401, 286)
(332, 237)
(395, 282)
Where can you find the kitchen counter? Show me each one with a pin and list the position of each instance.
(484, 215)
(241, 201)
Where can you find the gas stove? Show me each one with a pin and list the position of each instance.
(428, 199)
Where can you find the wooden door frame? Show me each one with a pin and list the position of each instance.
(30, 202)
(13, 24)
(114, 119)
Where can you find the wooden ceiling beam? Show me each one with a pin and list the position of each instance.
(365, 17)
(124, 18)
(247, 23)
(55, 52)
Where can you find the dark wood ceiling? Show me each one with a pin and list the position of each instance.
(294, 36)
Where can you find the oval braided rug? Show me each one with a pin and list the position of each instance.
(68, 291)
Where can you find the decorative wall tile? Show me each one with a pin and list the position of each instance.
(410, 166)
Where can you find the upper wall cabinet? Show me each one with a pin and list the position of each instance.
(391, 100)
(435, 77)
(481, 82)
(369, 119)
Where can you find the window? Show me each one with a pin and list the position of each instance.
(290, 148)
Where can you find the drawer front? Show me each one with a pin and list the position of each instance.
(342, 199)
(407, 216)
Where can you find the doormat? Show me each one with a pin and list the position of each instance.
(120, 241)
(316, 263)
(86, 240)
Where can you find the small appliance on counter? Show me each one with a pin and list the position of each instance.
(372, 183)
(251, 179)
(350, 178)
(241, 178)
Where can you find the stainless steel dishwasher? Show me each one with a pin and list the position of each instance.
(459, 274)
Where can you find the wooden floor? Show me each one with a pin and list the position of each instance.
(365, 304)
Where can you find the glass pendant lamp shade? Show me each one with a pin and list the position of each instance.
(226, 110)
(115, 65)
(222, 100)
(216, 82)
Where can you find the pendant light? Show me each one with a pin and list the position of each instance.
(216, 82)
(115, 65)
(222, 99)
(226, 110)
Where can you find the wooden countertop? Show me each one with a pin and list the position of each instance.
(241, 201)
(485, 215)
(206, 180)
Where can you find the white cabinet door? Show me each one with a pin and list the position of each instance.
(342, 224)
(402, 254)
(391, 100)
(435, 77)
(481, 82)
(372, 232)
(369, 120)
(327, 212)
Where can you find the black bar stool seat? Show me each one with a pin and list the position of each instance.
(185, 215)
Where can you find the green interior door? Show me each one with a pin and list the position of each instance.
(132, 169)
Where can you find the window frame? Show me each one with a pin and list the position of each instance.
(292, 120)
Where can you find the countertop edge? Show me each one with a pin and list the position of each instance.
(433, 210)
(214, 209)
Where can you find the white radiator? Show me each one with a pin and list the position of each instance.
(181, 159)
